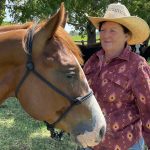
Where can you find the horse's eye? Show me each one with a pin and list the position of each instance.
(70, 75)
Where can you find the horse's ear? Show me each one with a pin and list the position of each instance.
(64, 21)
(47, 30)
(52, 24)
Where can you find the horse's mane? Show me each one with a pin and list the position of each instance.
(65, 38)
(61, 34)
(5, 28)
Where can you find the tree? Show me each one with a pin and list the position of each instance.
(78, 12)
(97, 8)
(139, 8)
(2, 10)
(41, 9)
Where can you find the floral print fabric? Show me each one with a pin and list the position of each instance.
(122, 88)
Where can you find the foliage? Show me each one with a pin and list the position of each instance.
(139, 8)
(20, 132)
(78, 12)
(41, 9)
(2, 10)
(22, 11)
(27, 10)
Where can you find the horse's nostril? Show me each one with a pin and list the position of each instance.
(102, 132)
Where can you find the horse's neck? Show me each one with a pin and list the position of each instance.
(11, 57)
(11, 48)
(15, 27)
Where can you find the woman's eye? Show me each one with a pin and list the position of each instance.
(101, 30)
(112, 30)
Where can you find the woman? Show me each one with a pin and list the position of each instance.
(120, 79)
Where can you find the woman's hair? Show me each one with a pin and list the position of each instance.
(126, 30)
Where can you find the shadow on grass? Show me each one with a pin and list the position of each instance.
(20, 132)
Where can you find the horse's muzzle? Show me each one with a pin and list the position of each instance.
(88, 138)
(90, 132)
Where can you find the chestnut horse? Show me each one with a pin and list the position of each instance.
(41, 64)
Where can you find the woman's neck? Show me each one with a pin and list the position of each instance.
(109, 55)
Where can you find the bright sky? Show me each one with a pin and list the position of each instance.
(68, 28)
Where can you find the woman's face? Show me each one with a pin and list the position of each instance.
(112, 36)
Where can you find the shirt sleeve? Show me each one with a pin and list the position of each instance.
(141, 90)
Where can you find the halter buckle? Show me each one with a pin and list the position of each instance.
(30, 66)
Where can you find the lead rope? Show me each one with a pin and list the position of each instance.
(56, 135)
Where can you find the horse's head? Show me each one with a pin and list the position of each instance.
(56, 88)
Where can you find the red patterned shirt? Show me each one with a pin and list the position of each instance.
(122, 88)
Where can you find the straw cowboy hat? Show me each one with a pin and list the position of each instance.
(119, 13)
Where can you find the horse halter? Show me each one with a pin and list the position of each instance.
(30, 67)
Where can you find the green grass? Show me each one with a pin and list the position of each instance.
(18, 131)
(78, 39)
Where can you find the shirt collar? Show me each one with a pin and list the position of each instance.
(124, 55)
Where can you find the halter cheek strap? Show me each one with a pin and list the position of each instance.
(30, 67)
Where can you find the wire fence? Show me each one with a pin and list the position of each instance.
(83, 42)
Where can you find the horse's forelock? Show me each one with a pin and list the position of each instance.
(63, 36)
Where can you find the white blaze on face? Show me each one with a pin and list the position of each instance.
(92, 138)
(88, 139)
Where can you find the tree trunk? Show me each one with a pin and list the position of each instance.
(91, 34)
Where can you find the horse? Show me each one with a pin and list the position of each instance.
(145, 52)
(41, 65)
(88, 50)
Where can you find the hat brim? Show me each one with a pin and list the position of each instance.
(138, 27)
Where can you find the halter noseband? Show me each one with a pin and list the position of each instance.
(30, 67)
